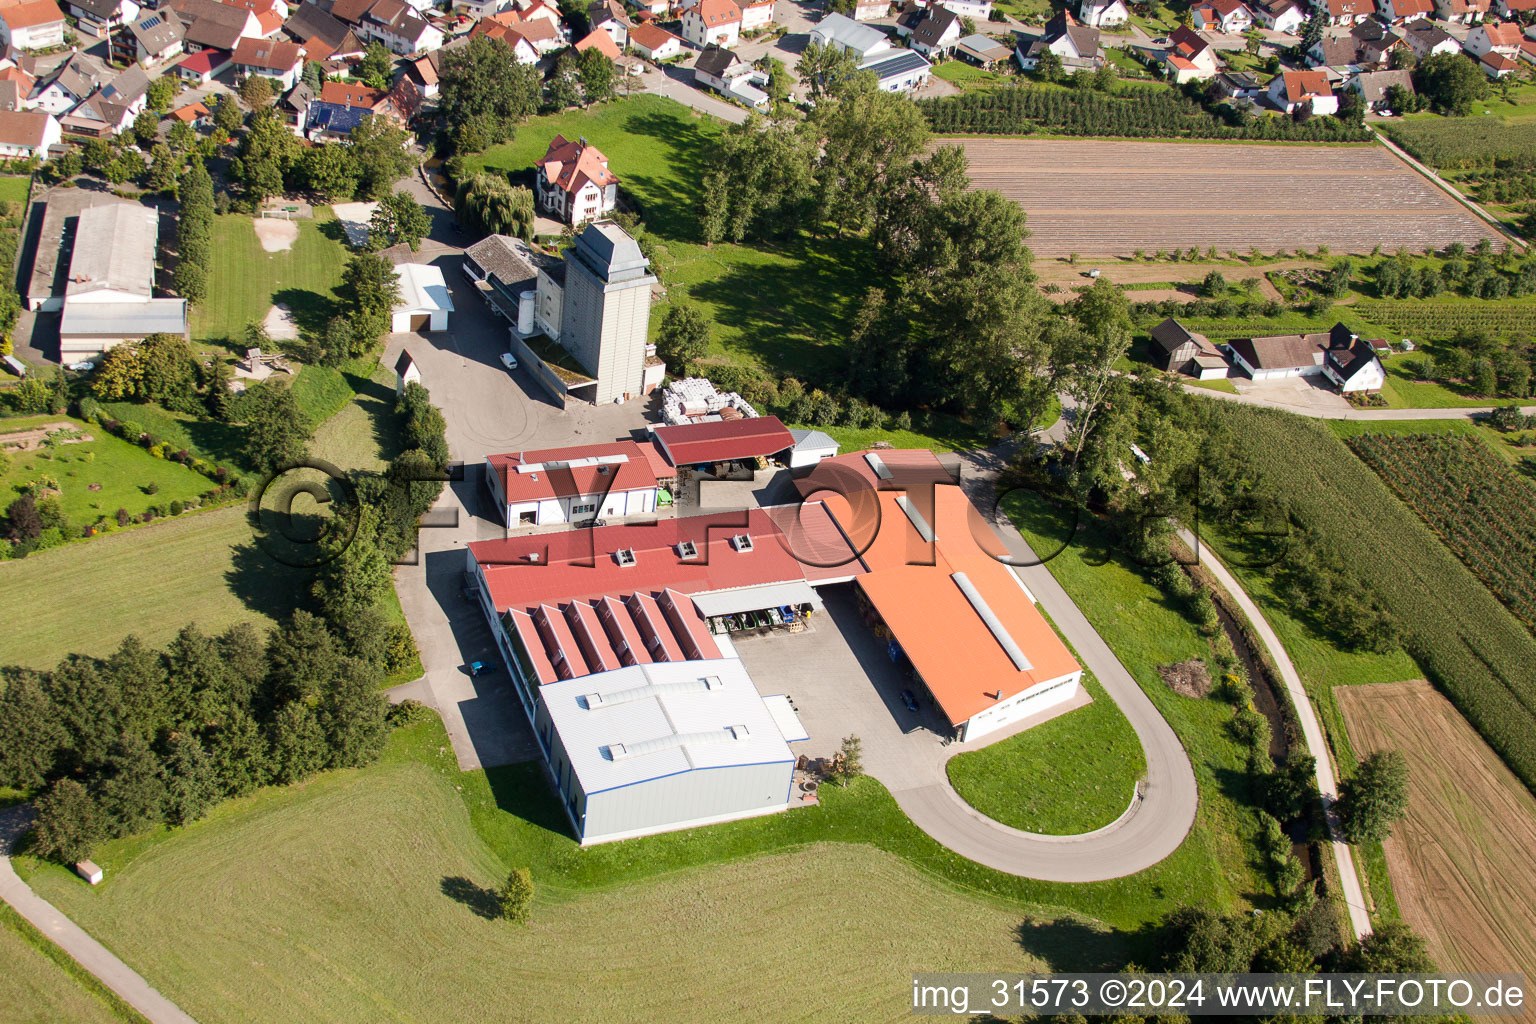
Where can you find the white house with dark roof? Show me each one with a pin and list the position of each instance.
(1286, 16)
(1426, 39)
(726, 73)
(1372, 86)
(931, 31)
(1339, 355)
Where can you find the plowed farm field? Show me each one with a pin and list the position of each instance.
(1111, 198)
(1461, 861)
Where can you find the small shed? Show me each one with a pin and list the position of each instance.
(406, 372)
(982, 51)
(424, 299)
(88, 871)
(810, 447)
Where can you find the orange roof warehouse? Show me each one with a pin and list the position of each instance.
(648, 611)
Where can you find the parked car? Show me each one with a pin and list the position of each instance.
(509, 360)
(82, 367)
(909, 700)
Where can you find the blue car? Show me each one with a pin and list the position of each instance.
(909, 700)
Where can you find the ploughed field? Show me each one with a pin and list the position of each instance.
(1460, 862)
(1098, 198)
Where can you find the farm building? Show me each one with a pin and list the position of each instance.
(424, 299)
(1179, 350)
(108, 295)
(735, 440)
(505, 270)
(811, 446)
(981, 51)
(1339, 355)
(663, 745)
(566, 485)
(848, 35)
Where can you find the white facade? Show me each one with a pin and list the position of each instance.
(1103, 13)
(424, 299)
(756, 15)
(24, 147)
(701, 29)
(1369, 377)
(31, 37)
(579, 507)
(976, 10)
(666, 49)
(1038, 698)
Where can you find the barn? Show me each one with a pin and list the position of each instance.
(424, 300)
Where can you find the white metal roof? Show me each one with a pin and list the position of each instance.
(752, 599)
(422, 289)
(646, 726)
(124, 319)
(812, 440)
(114, 250)
(784, 715)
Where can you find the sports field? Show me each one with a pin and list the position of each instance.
(1100, 198)
(1461, 861)
(360, 896)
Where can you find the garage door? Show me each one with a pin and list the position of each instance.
(421, 322)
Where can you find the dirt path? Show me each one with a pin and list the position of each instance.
(1068, 276)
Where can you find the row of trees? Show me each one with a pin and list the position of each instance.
(194, 234)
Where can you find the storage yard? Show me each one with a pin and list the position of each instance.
(1098, 198)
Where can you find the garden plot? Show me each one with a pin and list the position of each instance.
(1100, 198)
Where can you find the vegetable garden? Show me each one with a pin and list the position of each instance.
(1467, 643)
(1471, 498)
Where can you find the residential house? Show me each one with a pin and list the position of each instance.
(1103, 13)
(195, 114)
(976, 10)
(1286, 16)
(1528, 51)
(1177, 349)
(152, 37)
(270, 14)
(573, 181)
(654, 43)
(27, 133)
(610, 16)
(323, 36)
(1403, 12)
(399, 27)
(1493, 37)
(202, 67)
(1496, 65)
(756, 14)
(1189, 57)
(1291, 89)
(600, 41)
(1368, 45)
(844, 33)
(1462, 12)
(1372, 87)
(982, 51)
(1427, 39)
(712, 21)
(934, 30)
(1515, 10)
(111, 109)
(1239, 85)
(294, 106)
(100, 17)
(523, 49)
(1348, 12)
(729, 75)
(423, 71)
(1229, 16)
(70, 82)
(1340, 356)
(210, 25)
(16, 84)
(901, 71)
(276, 59)
(870, 10)
(31, 25)
(481, 8)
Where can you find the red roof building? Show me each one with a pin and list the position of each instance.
(599, 40)
(562, 485)
(691, 444)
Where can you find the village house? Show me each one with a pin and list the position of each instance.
(110, 109)
(1462, 12)
(152, 37)
(726, 73)
(756, 14)
(1340, 356)
(100, 17)
(1368, 45)
(1189, 57)
(1403, 12)
(1372, 87)
(712, 21)
(1502, 37)
(195, 114)
(1349, 12)
(524, 51)
(423, 71)
(1427, 39)
(610, 16)
(16, 85)
(1103, 13)
(573, 181)
(600, 41)
(1229, 16)
(1292, 89)
(1177, 349)
(1077, 46)
(870, 10)
(1496, 65)
(901, 70)
(27, 133)
(654, 43)
(322, 36)
(210, 25)
(933, 31)
(31, 25)
(276, 59)
(1239, 85)
(202, 67)
(1286, 16)
(1515, 10)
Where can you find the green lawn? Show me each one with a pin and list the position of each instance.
(782, 305)
(1405, 390)
(13, 188)
(41, 984)
(208, 438)
(365, 434)
(1145, 633)
(245, 281)
(122, 470)
(150, 581)
(359, 896)
(969, 76)
(1072, 774)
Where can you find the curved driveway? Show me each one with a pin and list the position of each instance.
(1155, 824)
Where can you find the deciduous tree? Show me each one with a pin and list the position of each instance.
(1374, 797)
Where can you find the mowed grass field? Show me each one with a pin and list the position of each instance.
(1072, 774)
(13, 188)
(244, 281)
(38, 989)
(1461, 861)
(1105, 198)
(780, 305)
(360, 896)
(84, 598)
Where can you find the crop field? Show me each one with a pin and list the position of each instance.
(1452, 625)
(1441, 320)
(1460, 862)
(1112, 198)
(1473, 500)
(1465, 143)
